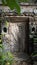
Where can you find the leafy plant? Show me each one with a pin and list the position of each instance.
(6, 58)
(13, 4)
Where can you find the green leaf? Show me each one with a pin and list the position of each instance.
(17, 8)
(13, 4)
(1, 45)
(6, 23)
(4, 2)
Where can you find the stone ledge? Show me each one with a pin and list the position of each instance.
(28, 4)
(17, 18)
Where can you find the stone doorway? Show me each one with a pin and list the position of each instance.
(17, 34)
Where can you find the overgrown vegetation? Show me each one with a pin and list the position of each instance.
(13, 4)
(6, 58)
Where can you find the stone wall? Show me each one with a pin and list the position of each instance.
(16, 34)
(14, 38)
